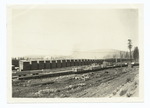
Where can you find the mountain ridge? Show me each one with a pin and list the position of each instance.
(88, 54)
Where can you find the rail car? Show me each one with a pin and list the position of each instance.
(100, 67)
(75, 70)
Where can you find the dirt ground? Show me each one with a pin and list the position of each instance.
(116, 82)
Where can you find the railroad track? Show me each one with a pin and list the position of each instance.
(60, 73)
(97, 82)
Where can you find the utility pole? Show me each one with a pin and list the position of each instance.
(130, 47)
(121, 59)
(116, 57)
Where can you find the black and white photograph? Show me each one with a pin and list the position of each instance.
(71, 51)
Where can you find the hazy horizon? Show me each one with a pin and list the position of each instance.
(62, 31)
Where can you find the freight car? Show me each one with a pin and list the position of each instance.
(79, 69)
(95, 67)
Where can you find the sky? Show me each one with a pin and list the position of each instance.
(61, 31)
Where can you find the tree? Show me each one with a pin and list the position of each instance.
(130, 47)
(136, 54)
(127, 55)
(123, 55)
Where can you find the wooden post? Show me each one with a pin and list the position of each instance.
(121, 59)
